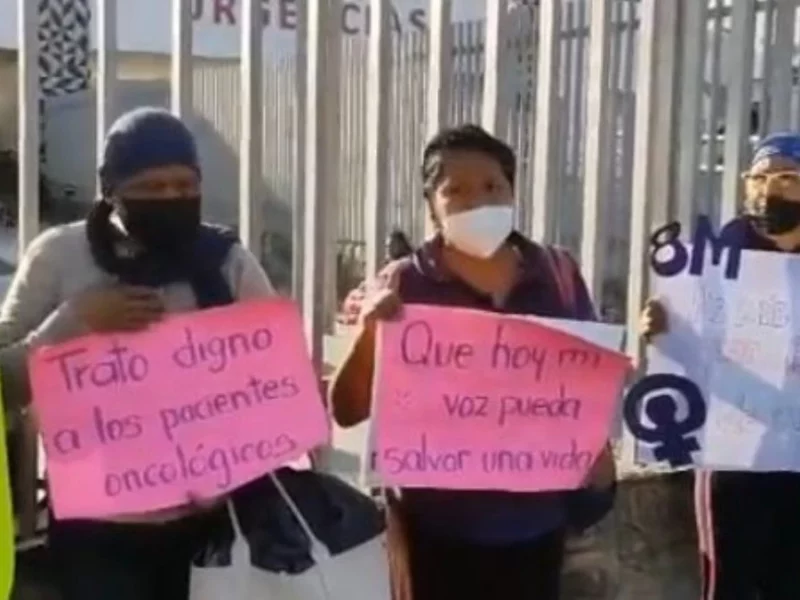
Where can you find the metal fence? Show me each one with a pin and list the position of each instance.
(700, 117)
(698, 148)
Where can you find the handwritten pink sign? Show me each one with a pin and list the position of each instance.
(474, 400)
(201, 404)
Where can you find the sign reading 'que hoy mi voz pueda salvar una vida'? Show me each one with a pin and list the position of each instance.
(198, 404)
(473, 400)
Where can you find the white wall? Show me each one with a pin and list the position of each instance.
(217, 23)
(70, 134)
(131, 66)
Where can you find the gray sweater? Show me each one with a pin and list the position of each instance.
(58, 266)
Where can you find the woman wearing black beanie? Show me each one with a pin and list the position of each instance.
(141, 253)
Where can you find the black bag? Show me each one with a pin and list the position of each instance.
(340, 516)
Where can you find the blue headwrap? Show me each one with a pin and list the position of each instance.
(142, 139)
(785, 144)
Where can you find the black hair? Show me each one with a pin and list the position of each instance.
(399, 245)
(101, 235)
(464, 137)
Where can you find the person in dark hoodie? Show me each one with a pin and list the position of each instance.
(141, 253)
(476, 544)
(749, 523)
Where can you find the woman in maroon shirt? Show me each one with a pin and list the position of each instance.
(477, 544)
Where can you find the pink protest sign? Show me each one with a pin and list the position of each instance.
(201, 403)
(472, 400)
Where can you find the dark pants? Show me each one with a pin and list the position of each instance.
(443, 569)
(110, 561)
(749, 526)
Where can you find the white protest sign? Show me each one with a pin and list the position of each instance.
(736, 336)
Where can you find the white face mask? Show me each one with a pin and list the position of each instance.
(481, 231)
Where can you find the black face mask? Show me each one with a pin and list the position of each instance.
(162, 225)
(778, 216)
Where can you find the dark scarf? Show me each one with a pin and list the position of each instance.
(200, 264)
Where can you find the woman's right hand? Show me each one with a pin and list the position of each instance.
(119, 308)
(383, 305)
(653, 321)
(350, 391)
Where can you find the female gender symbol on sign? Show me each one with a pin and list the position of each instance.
(670, 437)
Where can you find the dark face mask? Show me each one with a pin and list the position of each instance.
(778, 216)
(161, 225)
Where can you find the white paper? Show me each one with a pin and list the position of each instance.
(603, 334)
(739, 341)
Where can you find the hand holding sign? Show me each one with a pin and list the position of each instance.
(473, 400)
(654, 320)
(603, 473)
(193, 407)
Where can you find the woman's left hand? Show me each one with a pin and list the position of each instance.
(603, 473)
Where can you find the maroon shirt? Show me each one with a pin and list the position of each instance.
(550, 285)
